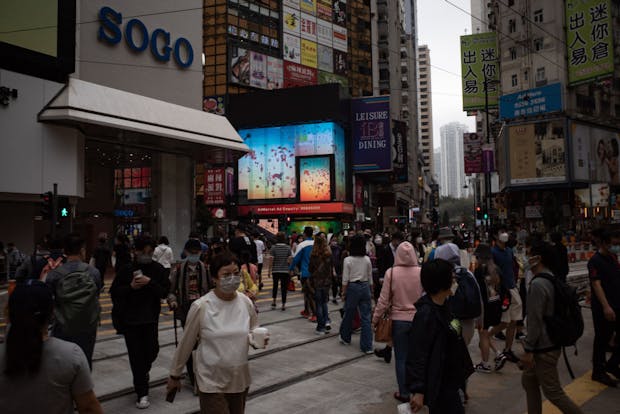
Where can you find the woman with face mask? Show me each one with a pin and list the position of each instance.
(219, 323)
(189, 280)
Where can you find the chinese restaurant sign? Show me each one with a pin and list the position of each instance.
(214, 186)
(372, 149)
(589, 40)
(479, 66)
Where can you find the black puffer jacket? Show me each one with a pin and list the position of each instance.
(434, 360)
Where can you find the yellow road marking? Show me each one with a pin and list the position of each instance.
(581, 390)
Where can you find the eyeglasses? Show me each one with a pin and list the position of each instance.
(231, 274)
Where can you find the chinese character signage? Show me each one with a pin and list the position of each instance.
(399, 161)
(531, 102)
(537, 153)
(308, 53)
(214, 186)
(291, 20)
(297, 75)
(479, 65)
(589, 40)
(308, 27)
(372, 149)
(472, 151)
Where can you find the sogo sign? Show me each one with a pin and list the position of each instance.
(137, 38)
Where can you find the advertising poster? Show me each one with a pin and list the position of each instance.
(326, 77)
(308, 27)
(324, 9)
(315, 179)
(297, 75)
(339, 12)
(340, 38)
(291, 20)
(214, 104)
(268, 171)
(308, 6)
(308, 53)
(325, 57)
(531, 102)
(292, 48)
(317, 226)
(214, 186)
(589, 40)
(372, 149)
(600, 194)
(292, 3)
(604, 155)
(258, 70)
(340, 63)
(275, 73)
(537, 153)
(325, 33)
(399, 151)
(479, 62)
(472, 151)
(582, 198)
(240, 66)
(580, 137)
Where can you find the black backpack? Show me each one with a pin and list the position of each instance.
(565, 325)
(466, 302)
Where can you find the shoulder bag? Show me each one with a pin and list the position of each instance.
(383, 330)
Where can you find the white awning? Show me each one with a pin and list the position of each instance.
(81, 102)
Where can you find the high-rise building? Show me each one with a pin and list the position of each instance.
(437, 165)
(559, 106)
(452, 178)
(426, 109)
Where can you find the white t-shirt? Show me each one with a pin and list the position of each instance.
(260, 249)
(163, 255)
(222, 328)
(356, 269)
(63, 373)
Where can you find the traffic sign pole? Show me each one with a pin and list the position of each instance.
(54, 214)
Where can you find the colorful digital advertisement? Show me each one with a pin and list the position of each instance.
(315, 179)
(317, 226)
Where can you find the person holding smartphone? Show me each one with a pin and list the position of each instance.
(136, 295)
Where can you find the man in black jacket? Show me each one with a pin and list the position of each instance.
(561, 256)
(136, 294)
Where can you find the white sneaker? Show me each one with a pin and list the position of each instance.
(143, 403)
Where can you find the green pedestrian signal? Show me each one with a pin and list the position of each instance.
(486, 216)
(64, 212)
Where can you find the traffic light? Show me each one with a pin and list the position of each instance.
(486, 215)
(63, 209)
(478, 213)
(47, 201)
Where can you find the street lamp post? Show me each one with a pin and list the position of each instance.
(487, 170)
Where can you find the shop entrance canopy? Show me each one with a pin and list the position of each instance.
(87, 104)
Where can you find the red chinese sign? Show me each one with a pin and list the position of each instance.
(298, 75)
(309, 208)
(214, 186)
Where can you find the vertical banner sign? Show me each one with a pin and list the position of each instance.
(472, 151)
(589, 40)
(215, 188)
(488, 158)
(372, 149)
(479, 66)
(399, 158)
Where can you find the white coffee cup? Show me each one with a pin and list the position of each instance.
(258, 337)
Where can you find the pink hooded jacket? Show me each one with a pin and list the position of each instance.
(404, 281)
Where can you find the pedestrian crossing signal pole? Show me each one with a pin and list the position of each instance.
(54, 213)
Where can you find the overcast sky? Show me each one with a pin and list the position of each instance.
(439, 26)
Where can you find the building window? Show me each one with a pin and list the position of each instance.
(514, 80)
(538, 16)
(538, 44)
(513, 53)
(540, 74)
(512, 25)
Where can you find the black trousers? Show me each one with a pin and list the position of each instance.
(603, 332)
(283, 278)
(142, 347)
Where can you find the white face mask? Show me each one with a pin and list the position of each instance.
(419, 240)
(378, 240)
(503, 237)
(229, 284)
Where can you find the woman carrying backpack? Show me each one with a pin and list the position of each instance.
(541, 357)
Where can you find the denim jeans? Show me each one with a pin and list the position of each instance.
(400, 341)
(357, 296)
(321, 296)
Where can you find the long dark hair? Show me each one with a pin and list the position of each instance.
(30, 310)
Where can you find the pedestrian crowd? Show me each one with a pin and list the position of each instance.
(424, 297)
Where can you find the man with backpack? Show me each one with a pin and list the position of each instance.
(550, 306)
(604, 271)
(76, 286)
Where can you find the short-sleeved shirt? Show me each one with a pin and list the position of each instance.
(64, 373)
(503, 258)
(606, 269)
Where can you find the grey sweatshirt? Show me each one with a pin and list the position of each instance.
(540, 302)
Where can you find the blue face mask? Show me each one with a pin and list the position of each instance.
(193, 258)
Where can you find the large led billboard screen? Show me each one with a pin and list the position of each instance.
(268, 171)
